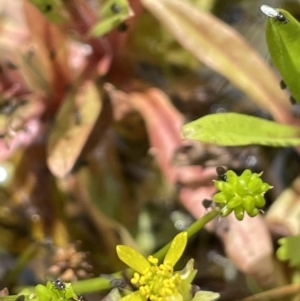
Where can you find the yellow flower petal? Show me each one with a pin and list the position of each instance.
(176, 249)
(133, 258)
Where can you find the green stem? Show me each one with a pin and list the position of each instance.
(192, 229)
(91, 285)
(100, 284)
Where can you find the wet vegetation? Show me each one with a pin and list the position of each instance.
(120, 120)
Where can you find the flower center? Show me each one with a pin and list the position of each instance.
(158, 281)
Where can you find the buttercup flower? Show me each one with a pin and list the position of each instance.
(159, 282)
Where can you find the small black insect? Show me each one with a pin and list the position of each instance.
(281, 18)
(207, 203)
(115, 8)
(59, 284)
(221, 171)
(274, 13)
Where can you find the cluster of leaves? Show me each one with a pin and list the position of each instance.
(238, 194)
(51, 291)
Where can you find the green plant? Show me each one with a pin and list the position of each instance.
(241, 193)
(50, 291)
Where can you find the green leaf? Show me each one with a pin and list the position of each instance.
(133, 258)
(206, 296)
(289, 250)
(68, 136)
(113, 13)
(217, 45)
(69, 293)
(284, 49)
(176, 249)
(52, 9)
(233, 129)
(187, 274)
(43, 292)
(135, 296)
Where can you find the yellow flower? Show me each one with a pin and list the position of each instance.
(159, 282)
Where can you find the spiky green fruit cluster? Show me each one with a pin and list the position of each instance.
(241, 193)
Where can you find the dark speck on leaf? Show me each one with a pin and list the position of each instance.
(47, 8)
(293, 100)
(115, 8)
(282, 85)
(52, 54)
(77, 117)
(122, 27)
(10, 65)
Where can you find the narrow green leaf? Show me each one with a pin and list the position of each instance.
(176, 249)
(132, 258)
(112, 13)
(233, 129)
(284, 48)
(52, 9)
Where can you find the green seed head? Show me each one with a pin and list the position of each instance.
(241, 193)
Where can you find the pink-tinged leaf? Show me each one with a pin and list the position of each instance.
(222, 49)
(73, 125)
(13, 41)
(83, 18)
(20, 138)
(33, 107)
(282, 217)
(22, 125)
(163, 124)
(248, 244)
(50, 48)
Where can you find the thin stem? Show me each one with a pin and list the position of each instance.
(99, 284)
(192, 230)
